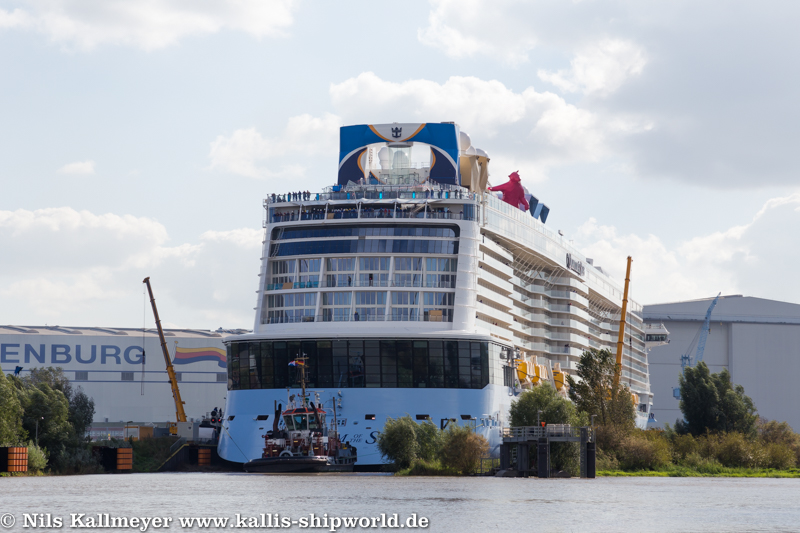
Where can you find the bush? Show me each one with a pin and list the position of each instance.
(772, 432)
(779, 456)
(427, 468)
(78, 461)
(37, 458)
(429, 441)
(398, 441)
(732, 449)
(462, 449)
(683, 446)
(639, 451)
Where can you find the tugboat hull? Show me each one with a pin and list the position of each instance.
(298, 464)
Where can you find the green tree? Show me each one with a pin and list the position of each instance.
(596, 393)
(710, 402)
(81, 413)
(49, 410)
(462, 448)
(555, 409)
(429, 440)
(397, 441)
(11, 412)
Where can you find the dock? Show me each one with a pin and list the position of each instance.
(518, 442)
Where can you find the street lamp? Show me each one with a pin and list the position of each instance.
(37, 429)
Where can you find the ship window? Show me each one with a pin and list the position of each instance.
(369, 417)
(300, 422)
(262, 417)
(358, 363)
(423, 417)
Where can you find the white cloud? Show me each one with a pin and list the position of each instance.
(14, 19)
(599, 68)
(246, 152)
(465, 28)
(242, 237)
(60, 264)
(79, 167)
(147, 24)
(744, 259)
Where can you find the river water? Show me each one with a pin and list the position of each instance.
(460, 505)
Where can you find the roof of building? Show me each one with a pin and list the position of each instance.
(731, 308)
(100, 331)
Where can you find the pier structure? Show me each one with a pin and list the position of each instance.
(518, 441)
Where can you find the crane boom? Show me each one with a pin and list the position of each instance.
(700, 339)
(621, 338)
(701, 343)
(180, 414)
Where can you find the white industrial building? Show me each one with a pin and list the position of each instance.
(123, 369)
(757, 340)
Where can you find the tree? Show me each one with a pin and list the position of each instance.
(11, 412)
(710, 402)
(554, 410)
(597, 393)
(54, 377)
(81, 412)
(398, 441)
(462, 448)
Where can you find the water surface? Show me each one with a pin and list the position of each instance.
(463, 505)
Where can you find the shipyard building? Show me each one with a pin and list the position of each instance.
(123, 369)
(757, 340)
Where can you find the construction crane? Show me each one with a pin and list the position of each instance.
(180, 414)
(624, 312)
(700, 339)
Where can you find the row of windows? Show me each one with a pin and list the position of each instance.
(354, 246)
(361, 363)
(384, 230)
(371, 271)
(309, 299)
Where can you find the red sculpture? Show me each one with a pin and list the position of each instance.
(513, 193)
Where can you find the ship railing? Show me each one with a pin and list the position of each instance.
(293, 216)
(375, 283)
(444, 316)
(379, 192)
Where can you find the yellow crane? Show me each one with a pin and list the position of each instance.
(621, 338)
(180, 414)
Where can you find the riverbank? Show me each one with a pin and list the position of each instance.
(719, 472)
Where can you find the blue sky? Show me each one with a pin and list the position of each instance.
(139, 138)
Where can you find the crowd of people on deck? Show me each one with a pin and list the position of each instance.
(292, 197)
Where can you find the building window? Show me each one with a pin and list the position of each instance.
(127, 376)
(81, 375)
(178, 376)
(222, 377)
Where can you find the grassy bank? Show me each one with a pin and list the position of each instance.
(682, 471)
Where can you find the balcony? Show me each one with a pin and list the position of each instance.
(504, 271)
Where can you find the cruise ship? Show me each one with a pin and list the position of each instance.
(408, 288)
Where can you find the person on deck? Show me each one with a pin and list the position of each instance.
(513, 193)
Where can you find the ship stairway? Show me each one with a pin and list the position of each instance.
(274, 251)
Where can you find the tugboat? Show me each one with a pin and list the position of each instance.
(306, 444)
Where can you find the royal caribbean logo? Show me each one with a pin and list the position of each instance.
(397, 132)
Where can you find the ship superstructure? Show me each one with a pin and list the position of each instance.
(409, 289)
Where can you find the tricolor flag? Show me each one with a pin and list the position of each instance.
(184, 356)
(297, 363)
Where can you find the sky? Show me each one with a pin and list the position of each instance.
(140, 138)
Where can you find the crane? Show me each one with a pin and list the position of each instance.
(180, 414)
(700, 339)
(623, 315)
